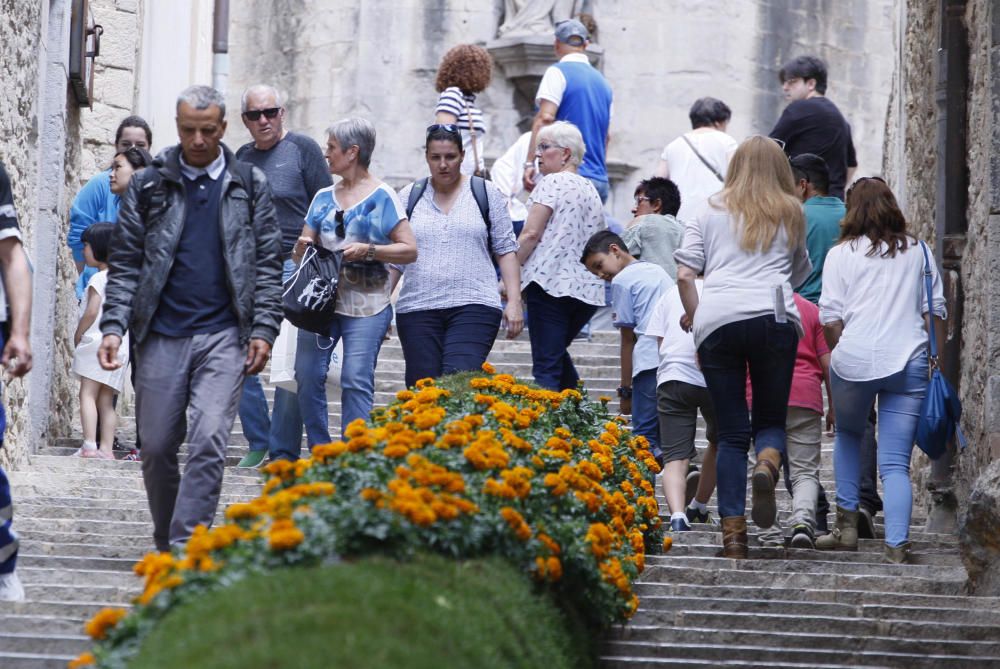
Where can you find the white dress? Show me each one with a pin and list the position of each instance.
(85, 362)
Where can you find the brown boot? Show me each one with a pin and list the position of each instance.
(844, 535)
(734, 537)
(762, 482)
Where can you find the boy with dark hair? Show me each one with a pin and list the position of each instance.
(636, 287)
(823, 216)
(708, 113)
(655, 233)
(813, 124)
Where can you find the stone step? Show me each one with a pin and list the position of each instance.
(77, 562)
(818, 566)
(13, 623)
(33, 661)
(42, 643)
(81, 591)
(614, 661)
(662, 637)
(804, 579)
(131, 551)
(638, 654)
(870, 553)
(78, 575)
(76, 610)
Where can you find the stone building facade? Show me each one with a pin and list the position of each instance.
(336, 58)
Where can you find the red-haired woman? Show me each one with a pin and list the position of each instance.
(874, 313)
(464, 72)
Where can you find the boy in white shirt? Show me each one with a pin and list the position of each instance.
(681, 392)
(636, 287)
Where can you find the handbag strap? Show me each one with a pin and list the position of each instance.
(703, 160)
(472, 132)
(928, 287)
(307, 256)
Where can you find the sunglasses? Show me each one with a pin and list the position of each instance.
(255, 114)
(444, 127)
(339, 218)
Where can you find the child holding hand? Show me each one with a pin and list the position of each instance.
(98, 386)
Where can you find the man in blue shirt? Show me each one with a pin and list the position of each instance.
(195, 277)
(295, 169)
(573, 90)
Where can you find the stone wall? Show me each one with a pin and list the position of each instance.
(22, 23)
(375, 59)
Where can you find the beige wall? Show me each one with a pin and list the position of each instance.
(344, 57)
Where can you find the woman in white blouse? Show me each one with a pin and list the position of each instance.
(749, 242)
(874, 313)
(448, 312)
(559, 292)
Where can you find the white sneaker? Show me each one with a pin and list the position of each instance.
(11, 589)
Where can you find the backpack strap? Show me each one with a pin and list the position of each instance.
(416, 192)
(483, 201)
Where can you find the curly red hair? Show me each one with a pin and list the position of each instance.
(466, 66)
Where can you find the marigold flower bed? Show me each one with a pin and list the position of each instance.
(470, 466)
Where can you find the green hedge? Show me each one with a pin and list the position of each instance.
(429, 613)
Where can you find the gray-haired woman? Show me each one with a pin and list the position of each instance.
(362, 216)
(561, 295)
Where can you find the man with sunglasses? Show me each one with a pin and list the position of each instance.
(295, 169)
(811, 123)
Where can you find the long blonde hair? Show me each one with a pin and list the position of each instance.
(760, 193)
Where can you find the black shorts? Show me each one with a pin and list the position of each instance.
(677, 404)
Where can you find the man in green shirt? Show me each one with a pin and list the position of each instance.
(823, 215)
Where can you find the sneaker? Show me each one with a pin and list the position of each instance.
(133, 456)
(11, 589)
(253, 460)
(802, 537)
(679, 525)
(696, 516)
(866, 523)
(691, 482)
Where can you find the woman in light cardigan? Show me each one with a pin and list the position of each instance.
(874, 310)
(749, 242)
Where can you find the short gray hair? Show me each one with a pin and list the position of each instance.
(279, 99)
(202, 97)
(567, 136)
(355, 132)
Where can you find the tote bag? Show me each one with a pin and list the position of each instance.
(310, 293)
(942, 410)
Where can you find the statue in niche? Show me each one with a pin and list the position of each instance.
(526, 18)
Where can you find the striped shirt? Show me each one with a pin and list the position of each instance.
(453, 101)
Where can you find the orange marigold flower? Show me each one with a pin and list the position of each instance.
(425, 383)
(474, 420)
(554, 568)
(599, 537)
(489, 369)
(667, 543)
(499, 489)
(324, 452)
(284, 535)
(370, 494)
(479, 383)
(85, 659)
(603, 399)
(280, 468)
(395, 451)
(516, 522)
(549, 543)
(557, 485)
(356, 428)
(103, 621)
(404, 395)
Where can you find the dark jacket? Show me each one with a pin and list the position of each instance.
(149, 227)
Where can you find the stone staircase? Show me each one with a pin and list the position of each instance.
(83, 525)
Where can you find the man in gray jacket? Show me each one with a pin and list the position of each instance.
(195, 275)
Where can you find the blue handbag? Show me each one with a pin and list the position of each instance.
(941, 410)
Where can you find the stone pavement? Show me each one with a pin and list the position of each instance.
(83, 524)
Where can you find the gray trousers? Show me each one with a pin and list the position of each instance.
(804, 433)
(185, 386)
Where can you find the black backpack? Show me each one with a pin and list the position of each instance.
(478, 185)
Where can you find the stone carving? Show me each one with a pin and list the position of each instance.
(523, 18)
(980, 534)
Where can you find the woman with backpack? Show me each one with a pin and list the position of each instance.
(449, 311)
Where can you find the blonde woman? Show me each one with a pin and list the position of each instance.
(749, 242)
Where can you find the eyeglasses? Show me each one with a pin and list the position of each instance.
(640, 198)
(254, 114)
(545, 147)
(126, 144)
(339, 218)
(779, 142)
(444, 127)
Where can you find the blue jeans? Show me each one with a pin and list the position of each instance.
(8, 540)
(900, 397)
(362, 341)
(603, 188)
(281, 433)
(555, 322)
(444, 341)
(645, 419)
(768, 348)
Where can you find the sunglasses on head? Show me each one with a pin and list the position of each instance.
(339, 218)
(444, 127)
(255, 114)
